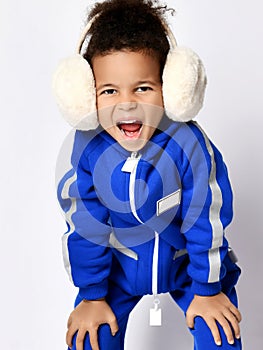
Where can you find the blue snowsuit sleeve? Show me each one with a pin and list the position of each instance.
(206, 211)
(87, 256)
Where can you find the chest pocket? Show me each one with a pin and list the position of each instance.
(168, 202)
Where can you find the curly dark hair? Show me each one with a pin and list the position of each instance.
(133, 25)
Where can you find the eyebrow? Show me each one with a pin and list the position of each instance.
(103, 86)
(141, 82)
(151, 82)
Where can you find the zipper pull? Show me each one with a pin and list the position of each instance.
(156, 313)
(134, 154)
(131, 162)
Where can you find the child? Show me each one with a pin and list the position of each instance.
(148, 198)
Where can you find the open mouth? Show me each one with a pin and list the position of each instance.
(130, 128)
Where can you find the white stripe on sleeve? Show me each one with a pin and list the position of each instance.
(214, 217)
(68, 217)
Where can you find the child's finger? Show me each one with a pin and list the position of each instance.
(214, 330)
(69, 321)
(190, 323)
(70, 333)
(93, 337)
(114, 327)
(226, 328)
(234, 323)
(190, 320)
(80, 339)
(236, 313)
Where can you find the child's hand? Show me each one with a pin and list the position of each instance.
(87, 317)
(215, 308)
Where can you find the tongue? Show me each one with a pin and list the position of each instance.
(130, 127)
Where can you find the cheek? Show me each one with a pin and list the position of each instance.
(153, 114)
(105, 114)
(161, 104)
(105, 102)
(100, 102)
(157, 99)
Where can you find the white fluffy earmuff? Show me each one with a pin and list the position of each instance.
(73, 86)
(184, 82)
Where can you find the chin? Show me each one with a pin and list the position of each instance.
(133, 145)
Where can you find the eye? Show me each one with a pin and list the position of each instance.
(143, 88)
(108, 92)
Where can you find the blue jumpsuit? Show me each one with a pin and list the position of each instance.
(148, 222)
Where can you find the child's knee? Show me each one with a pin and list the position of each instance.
(105, 339)
(203, 338)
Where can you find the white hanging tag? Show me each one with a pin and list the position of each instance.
(156, 314)
(129, 165)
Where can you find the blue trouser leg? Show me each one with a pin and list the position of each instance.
(105, 339)
(121, 304)
(203, 339)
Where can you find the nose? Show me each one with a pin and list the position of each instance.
(127, 106)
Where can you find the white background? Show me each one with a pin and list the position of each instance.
(36, 296)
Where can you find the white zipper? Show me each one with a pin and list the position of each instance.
(156, 311)
(132, 185)
(155, 266)
(130, 166)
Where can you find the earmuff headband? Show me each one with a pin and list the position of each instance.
(170, 36)
(85, 33)
(86, 29)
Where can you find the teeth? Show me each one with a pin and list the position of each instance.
(127, 133)
(131, 133)
(129, 122)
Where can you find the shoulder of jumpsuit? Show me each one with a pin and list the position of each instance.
(207, 145)
(204, 147)
(180, 140)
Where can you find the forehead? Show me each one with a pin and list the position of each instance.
(127, 65)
